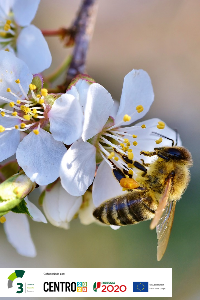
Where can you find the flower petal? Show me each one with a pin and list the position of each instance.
(82, 87)
(40, 157)
(137, 90)
(146, 138)
(97, 110)
(78, 168)
(18, 234)
(5, 7)
(35, 213)
(105, 185)
(59, 206)
(33, 49)
(66, 119)
(9, 139)
(13, 68)
(86, 211)
(25, 11)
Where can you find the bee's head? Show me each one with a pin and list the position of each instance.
(178, 154)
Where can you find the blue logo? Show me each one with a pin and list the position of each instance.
(140, 286)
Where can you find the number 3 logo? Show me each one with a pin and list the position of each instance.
(20, 288)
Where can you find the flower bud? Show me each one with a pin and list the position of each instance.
(13, 191)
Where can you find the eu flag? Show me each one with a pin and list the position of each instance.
(140, 286)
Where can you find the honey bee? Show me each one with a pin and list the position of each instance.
(155, 193)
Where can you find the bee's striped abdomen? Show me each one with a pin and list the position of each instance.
(124, 210)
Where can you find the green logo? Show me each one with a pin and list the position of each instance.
(13, 276)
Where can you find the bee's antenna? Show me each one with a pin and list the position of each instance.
(166, 137)
(176, 136)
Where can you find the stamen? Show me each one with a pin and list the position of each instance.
(2, 129)
(159, 141)
(3, 114)
(6, 27)
(16, 127)
(130, 155)
(135, 143)
(139, 108)
(17, 81)
(14, 114)
(112, 154)
(23, 125)
(44, 92)
(36, 131)
(143, 126)
(32, 86)
(126, 118)
(27, 117)
(134, 136)
(2, 219)
(161, 125)
(12, 104)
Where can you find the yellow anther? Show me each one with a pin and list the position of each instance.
(17, 81)
(130, 155)
(134, 136)
(38, 96)
(2, 219)
(130, 150)
(126, 118)
(8, 22)
(143, 126)
(34, 111)
(116, 158)
(22, 107)
(36, 131)
(159, 141)
(12, 104)
(126, 176)
(35, 116)
(44, 92)
(27, 117)
(41, 101)
(32, 86)
(122, 145)
(23, 125)
(8, 90)
(130, 172)
(7, 50)
(161, 125)
(27, 109)
(2, 33)
(129, 183)
(134, 143)
(3, 114)
(2, 129)
(112, 154)
(6, 27)
(18, 101)
(130, 166)
(139, 108)
(16, 127)
(14, 114)
(126, 140)
(128, 144)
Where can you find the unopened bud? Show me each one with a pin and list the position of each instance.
(13, 191)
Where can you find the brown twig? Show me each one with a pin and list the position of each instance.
(83, 27)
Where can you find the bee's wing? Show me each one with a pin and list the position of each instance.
(164, 227)
(162, 204)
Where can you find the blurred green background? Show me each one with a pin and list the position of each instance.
(163, 38)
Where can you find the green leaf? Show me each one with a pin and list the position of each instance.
(21, 208)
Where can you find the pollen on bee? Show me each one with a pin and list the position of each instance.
(161, 125)
(139, 108)
(129, 183)
(2, 219)
(126, 118)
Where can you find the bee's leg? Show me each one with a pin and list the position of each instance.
(144, 164)
(140, 167)
(118, 173)
(148, 153)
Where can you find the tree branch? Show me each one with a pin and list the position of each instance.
(83, 27)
